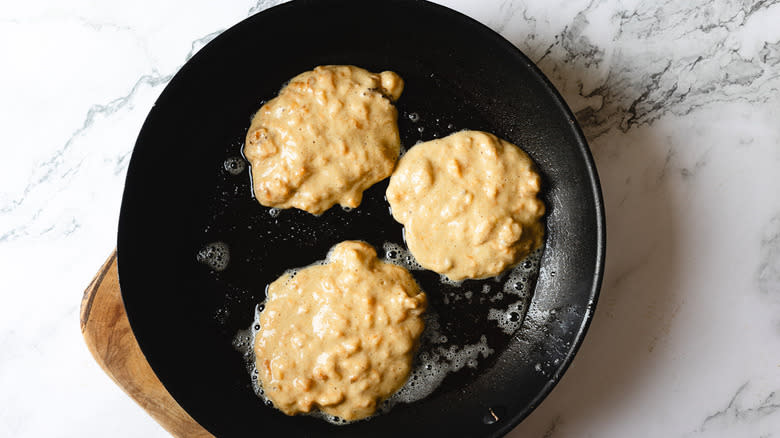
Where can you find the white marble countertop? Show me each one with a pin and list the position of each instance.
(680, 102)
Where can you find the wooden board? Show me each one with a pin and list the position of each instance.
(108, 335)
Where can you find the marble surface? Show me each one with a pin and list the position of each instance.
(680, 102)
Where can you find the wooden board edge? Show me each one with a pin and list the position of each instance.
(110, 340)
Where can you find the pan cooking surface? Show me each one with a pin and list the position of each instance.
(196, 251)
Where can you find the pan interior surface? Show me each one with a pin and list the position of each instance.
(188, 199)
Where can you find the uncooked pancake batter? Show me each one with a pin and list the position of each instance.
(329, 135)
(339, 336)
(468, 204)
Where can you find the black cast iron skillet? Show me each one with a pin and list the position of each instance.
(179, 197)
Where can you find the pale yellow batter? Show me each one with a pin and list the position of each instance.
(339, 336)
(468, 204)
(329, 135)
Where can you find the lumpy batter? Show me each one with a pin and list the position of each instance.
(468, 204)
(329, 135)
(339, 336)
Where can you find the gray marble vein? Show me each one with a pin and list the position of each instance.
(506, 11)
(740, 410)
(55, 171)
(200, 43)
(262, 5)
(648, 69)
(768, 275)
(550, 432)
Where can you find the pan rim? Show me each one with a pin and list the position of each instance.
(593, 182)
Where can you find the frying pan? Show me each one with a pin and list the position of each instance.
(187, 188)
